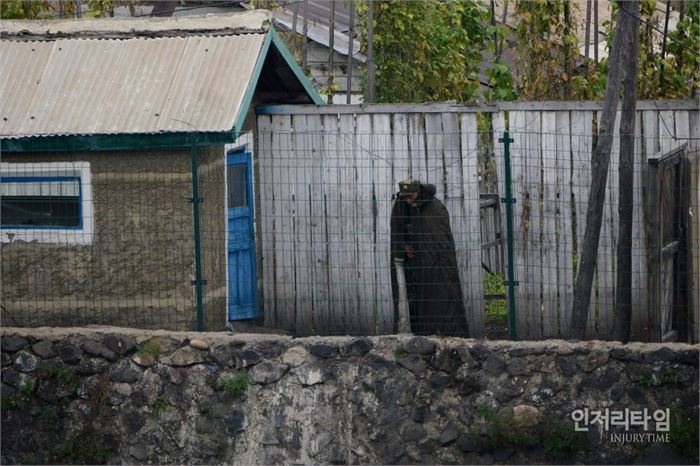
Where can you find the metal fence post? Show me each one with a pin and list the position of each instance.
(198, 281)
(509, 201)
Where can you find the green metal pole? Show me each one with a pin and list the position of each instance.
(198, 281)
(509, 201)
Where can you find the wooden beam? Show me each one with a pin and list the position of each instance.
(447, 107)
(653, 216)
(351, 35)
(599, 175)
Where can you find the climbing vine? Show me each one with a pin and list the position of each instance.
(36, 9)
(550, 67)
(685, 53)
(547, 54)
(15, 9)
(500, 85)
(426, 50)
(673, 73)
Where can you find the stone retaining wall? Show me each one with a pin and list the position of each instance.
(105, 395)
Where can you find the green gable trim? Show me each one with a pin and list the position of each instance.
(111, 142)
(273, 38)
(298, 72)
(252, 84)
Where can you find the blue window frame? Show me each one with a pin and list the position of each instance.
(47, 202)
(36, 202)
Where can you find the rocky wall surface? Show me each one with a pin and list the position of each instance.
(106, 395)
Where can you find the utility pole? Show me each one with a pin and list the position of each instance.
(599, 173)
(351, 36)
(305, 45)
(370, 52)
(623, 298)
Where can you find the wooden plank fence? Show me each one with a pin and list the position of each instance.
(326, 180)
(326, 183)
(550, 159)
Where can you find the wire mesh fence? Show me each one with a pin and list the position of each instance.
(336, 224)
(108, 238)
(314, 234)
(331, 224)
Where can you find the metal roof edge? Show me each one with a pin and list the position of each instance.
(252, 85)
(319, 34)
(115, 142)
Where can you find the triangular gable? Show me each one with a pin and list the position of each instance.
(274, 41)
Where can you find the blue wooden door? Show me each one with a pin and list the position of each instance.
(242, 281)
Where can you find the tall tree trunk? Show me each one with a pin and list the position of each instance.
(588, 29)
(623, 301)
(495, 34)
(679, 64)
(599, 176)
(568, 60)
(351, 36)
(595, 31)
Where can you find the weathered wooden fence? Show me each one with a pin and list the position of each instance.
(325, 179)
(326, 182)
(551, 164)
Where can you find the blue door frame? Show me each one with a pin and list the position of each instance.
(242, 276)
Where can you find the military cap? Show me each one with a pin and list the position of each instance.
(408, 186)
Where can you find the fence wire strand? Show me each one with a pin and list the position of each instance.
(304, 237)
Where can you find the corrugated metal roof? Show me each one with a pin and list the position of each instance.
(134, 85)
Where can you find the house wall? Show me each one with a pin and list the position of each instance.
(138, 269)
(318, 61)
(214, 224)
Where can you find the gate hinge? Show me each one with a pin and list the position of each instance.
(195, 282)
(505, 200)
(515, 283)
(192, 199)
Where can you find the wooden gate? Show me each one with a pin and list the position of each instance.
(668, 252)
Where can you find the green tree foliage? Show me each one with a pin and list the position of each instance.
(500, 79)
(100, 9)
(426, 50)
(52, 9)
(501, 86)
(674, 74)
(24, 9)
(548, 54)
(551, 68)
(684, 52)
